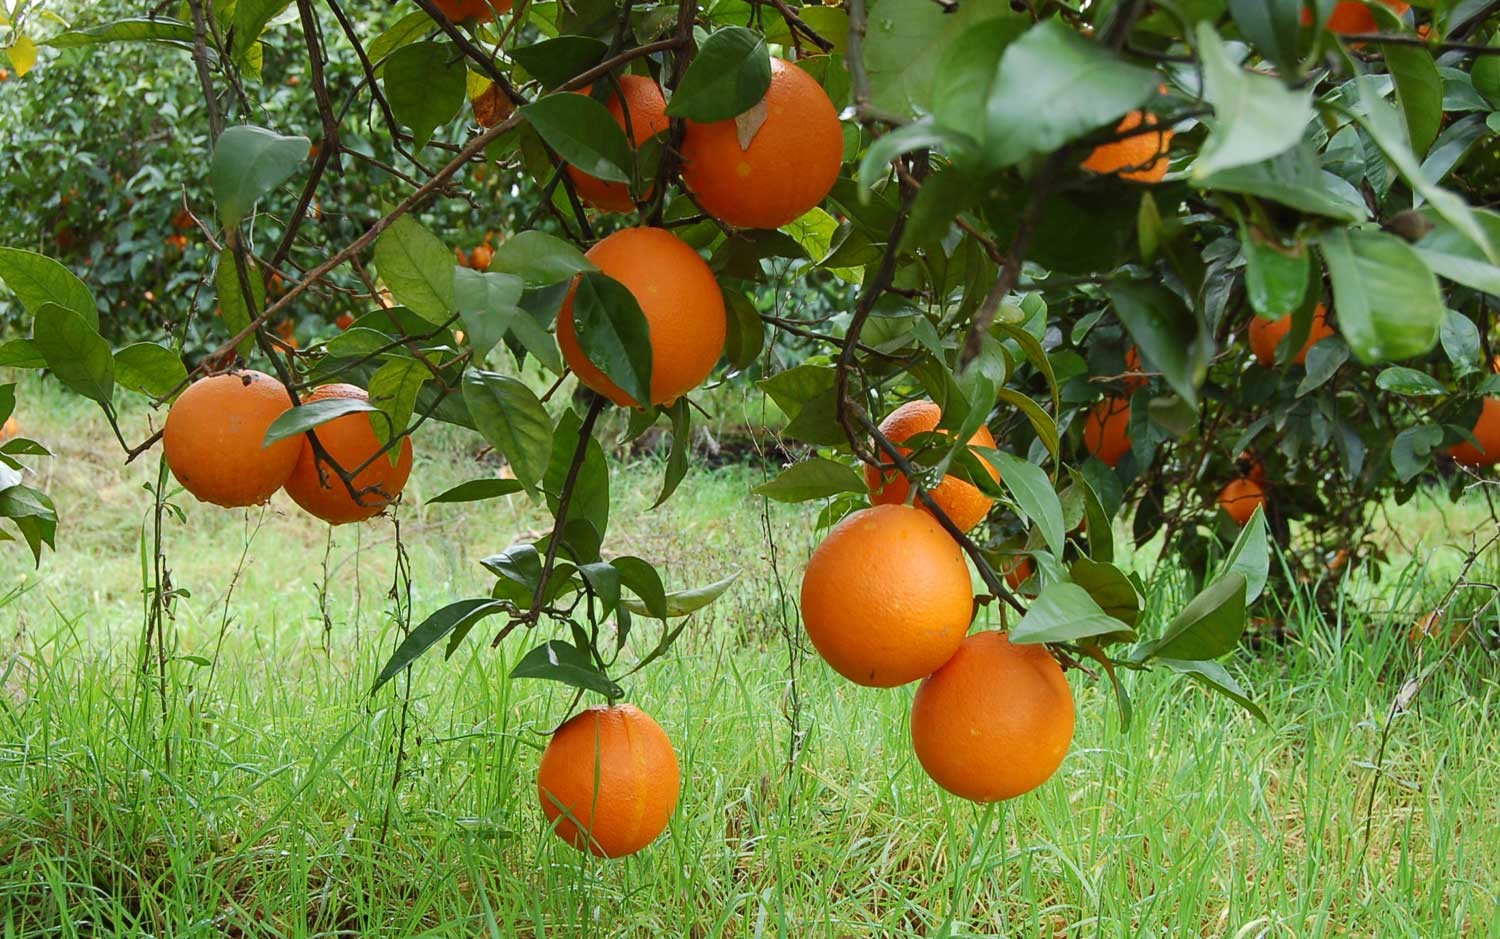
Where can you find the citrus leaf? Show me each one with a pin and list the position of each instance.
(510, 416)
(149, 368)
(461, 613)
(417, 268)
(683, 602)
(730, 73)
(74, 350)
(1208, 627)
(613, 333)
(37, 279)
(301, 419)
(1065, 612)
(1256, 116)
(583, 133)
(816, 478)
(249, 162)
(426, 84)
(477, 490)
(539, 259)
(1388, 302)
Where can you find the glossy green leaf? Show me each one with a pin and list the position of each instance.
(583, 133)
(1250, 556)
(75, 352)
(563, 662)
(613, 333)
(683, 602)
(510, 416)
(553, 61)
(36, 279)
(1208, 627)
(478, 490)
(1213, 677)
(426, 84)
(1256, 117)
(729, 75)
(417, 268)
(236, 313)
(1065, 612)
(1419, 90)
(248, 163)
(305, 417)
(1276, 277)
(1389, 306)
(1166, 332)
(815, 478)
(1115, 593)
(539, 259)
(149, 369)
(459, 614)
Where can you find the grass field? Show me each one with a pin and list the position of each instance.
(802, 812)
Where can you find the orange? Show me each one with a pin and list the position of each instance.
(350, 440)
(1240, 498)
(1352, 16)
(1266, 335)
(995, 722)
(682, 303)
(1141, 157)
(214, 439)
(11, 428)
(1018, 573)
(608, 780)
(459, 10)
(1251, 467)
(1106, 430)
(648, 116)
(959, 499)
(790, 164)
(1134, 379)
(1487, 432)
(344, 321)
(886, 597)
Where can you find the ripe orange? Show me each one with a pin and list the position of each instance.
(1018, 572)
(1141, 157)
(459, 10)
(344, 321)
(480, 257)
(1266, 335)
(11, 428)
(1133, 379)
(681, 300)
(608, 780)
(648, 116)
(214, 436)
(959, 499)
(886, 597)
(791, 163)
(995, 722)
(1240, 498)
(350, 440)
(1352, 16)
(1106, 430)
(1487, 432)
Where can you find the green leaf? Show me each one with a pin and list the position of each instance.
(1389, 305)
(1460, 338)
(805, 395)
(553, 61)
(1058, 86)
(249, 162)
(816, 478)
(393, 390)
(305, 417)
(1167, 333)
(21, 353)
(1275, 277)
(232, 308)
(1208, 627)
(917, 135)
(1033, 494)
(1115, 593)
(1411, 451)
(1065, 612)
(509, 415)
(478, 490)
(36, 280)
(683, 602)
(1400, 380)
(613, 333)
(539, 259)
(150, 369)
(1295, 179)
(641, 579)
(583, 133)
(1212, 676)
(906, 44)
(1323, 359)
(968, 77)
(1272, 27)
(461, 613)
(560, 661)
(590, 502)
(1041, 421)
(75, 352)
(134, 29)
(728, 76)
(1453, 255)
(746, 335)
(405, 31)
(1250, 556)
(1419, 89)
(250, 19)
(33, 514)
(487, 306)
(1256, 116)
(426, 84)
(417, 268)
(677, 460)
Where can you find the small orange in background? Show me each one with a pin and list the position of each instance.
(1140, 157)
(608, 780)
(789, 165)
(214, 439)
(647, 109)
(480, 257)
(886, 598)
(177, 241)
(1240, 498)
(682, 303)
(1251, 467)
(350, 440)
(11, 428)
(1018, 572)
(459, 10)
(995, 722)
(344, 321)
(1266, 335)
(1106, 430)
(461, 256)
(1487, 431)
(183, 219)
(1134, 377)
(1353, 16)
(1431, 626)
(959, 499)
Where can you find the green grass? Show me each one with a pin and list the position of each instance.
(270, 819)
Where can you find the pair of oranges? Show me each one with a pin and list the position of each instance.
(214, 442)
(887, 599)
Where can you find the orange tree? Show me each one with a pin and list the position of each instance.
(1206, 264)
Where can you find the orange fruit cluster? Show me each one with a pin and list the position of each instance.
(214, 442)
(887, 599)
